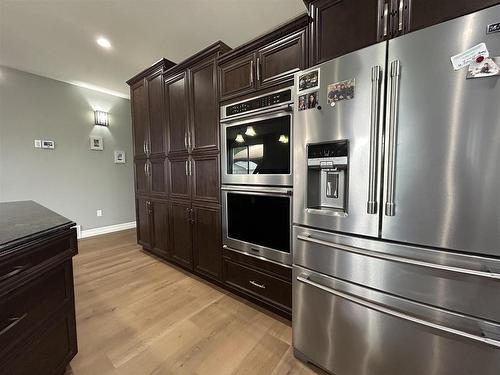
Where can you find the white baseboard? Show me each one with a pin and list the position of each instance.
(103, 230)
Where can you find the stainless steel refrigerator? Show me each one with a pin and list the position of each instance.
(396, 238)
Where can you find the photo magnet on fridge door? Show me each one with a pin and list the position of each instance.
(340, 91)
(308, 81)
(308, 101)
(484, 67)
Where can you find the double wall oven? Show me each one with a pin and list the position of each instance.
(256, 138)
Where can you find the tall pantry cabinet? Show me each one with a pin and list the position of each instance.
(176, 144)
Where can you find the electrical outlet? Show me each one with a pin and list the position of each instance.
(38, 143)
(99, 212)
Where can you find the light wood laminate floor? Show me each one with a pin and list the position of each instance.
(138, 315)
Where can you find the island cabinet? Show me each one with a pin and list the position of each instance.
(177, 162)
(37, 304)
(341, 26)
(267, 61)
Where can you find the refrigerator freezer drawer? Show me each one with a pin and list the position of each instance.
(350, 330)
(457, 282)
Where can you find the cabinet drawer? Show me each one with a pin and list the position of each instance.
(36, 255)
(22, 310)
(267, 287)
(48, 352)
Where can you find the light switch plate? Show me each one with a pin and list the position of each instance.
(38, 143)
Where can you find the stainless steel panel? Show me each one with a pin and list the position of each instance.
(351, 330)
(347, 120)
(447, 174)
(247, 247)
(256, 179)
(463, 283)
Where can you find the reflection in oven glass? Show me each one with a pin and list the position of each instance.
(260, 148)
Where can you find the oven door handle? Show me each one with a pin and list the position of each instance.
(277, 191)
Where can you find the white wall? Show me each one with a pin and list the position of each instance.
(71, 180)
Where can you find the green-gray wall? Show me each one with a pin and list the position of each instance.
(71, 179)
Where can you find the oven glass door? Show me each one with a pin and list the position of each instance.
(259, 219)
(257, 150)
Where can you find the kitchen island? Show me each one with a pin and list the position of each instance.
(37, 304)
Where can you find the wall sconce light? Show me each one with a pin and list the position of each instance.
(101, 118)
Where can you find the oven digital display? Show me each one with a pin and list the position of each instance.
(262, 220)
(262, 102)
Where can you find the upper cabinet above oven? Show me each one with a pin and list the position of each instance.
(265, 62)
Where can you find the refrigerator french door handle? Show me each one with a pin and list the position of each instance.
(392, 138)
(374, 120)
(399, 259)
(374, 306)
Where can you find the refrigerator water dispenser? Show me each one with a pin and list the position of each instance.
(327, 177)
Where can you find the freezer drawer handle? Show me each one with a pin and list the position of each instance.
(392, 138)
(372, 174)
(305, 279)
(394, 258)
(255, 283)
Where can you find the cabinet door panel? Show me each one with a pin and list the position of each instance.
(176, 109)
(207, 243)
(141, 176)
(139, 117)
(159, 227)
(205, 178)
(425, 13)
(142, 218)
(158, 180)
(181, 249)
(279, 61)
(237, 77)
(204, 107)
(342, 26)
(179, 177)
(156, 115)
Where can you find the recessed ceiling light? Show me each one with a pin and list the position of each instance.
(103, 42)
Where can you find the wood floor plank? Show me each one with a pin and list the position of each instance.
(137, 315)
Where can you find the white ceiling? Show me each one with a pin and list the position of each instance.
(56, 38)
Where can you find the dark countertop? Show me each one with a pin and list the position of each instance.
(24, 221)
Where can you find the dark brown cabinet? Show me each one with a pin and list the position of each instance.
(204, 105)
(265, 62)
(237, 77)
(142, 181)
(181, 250)
(204, 169)
(143, 211)
(156, 171)
(418, 14)
(138, 98)
(207, 241)
(159, 235)
(176, 109)
(180, 169)
(342, 26)
(156, 142)
(280, 60)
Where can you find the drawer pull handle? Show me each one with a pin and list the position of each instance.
(16, 270)
(12, 322)
(255, 283)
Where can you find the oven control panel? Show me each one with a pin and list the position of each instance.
(259, 103)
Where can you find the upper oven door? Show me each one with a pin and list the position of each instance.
(256, 149)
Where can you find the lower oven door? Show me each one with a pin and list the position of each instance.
(350, 330)
(257, 221)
